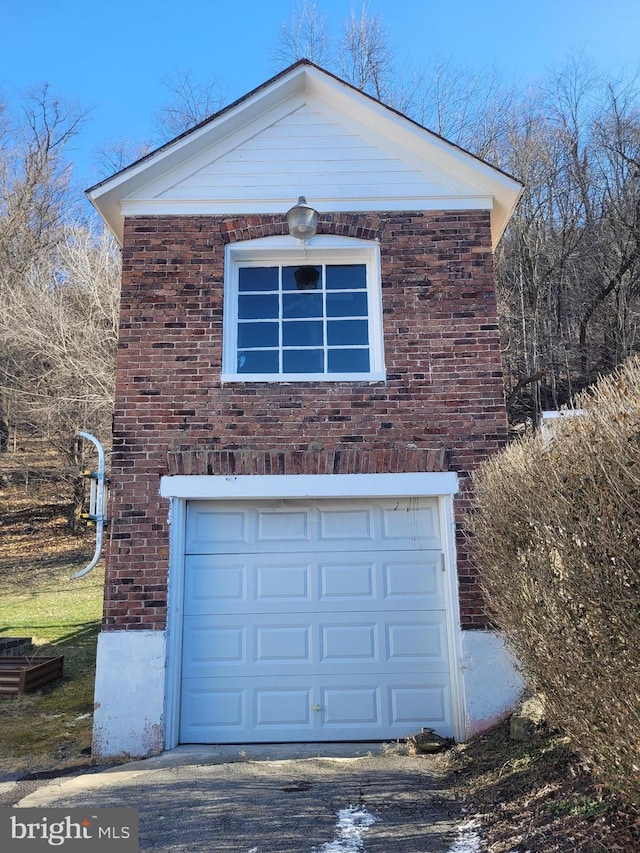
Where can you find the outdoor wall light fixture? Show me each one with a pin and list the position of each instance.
(307, 278)
(302, 220)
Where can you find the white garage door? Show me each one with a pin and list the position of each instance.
(313, 620)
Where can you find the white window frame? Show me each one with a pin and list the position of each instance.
(287, 251)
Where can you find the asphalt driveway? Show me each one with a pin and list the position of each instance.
(319, 800)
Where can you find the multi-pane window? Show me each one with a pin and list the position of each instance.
(302, 315)
(311, 318)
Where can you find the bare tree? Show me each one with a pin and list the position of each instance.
(34, 180)
(613, 273)
(361, 54)
(59, 332)
(304, 36)
(469, 106)
(569, 265)
(58, 337)
(118, 154)
(538, 259)
(365, 58)
(191, 101)
(34, 193)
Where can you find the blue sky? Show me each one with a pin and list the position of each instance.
(110, 55)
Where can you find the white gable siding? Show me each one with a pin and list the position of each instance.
(308, 152)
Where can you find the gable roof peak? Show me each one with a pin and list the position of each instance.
(306, 83)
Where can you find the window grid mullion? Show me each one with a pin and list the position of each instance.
(325, 330)
(280, 323)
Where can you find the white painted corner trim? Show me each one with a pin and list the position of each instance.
(229, 487)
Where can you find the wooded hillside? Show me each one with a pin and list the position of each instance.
(568, 267)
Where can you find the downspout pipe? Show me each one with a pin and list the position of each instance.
(99, 516)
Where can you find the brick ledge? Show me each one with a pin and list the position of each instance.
(238, 462)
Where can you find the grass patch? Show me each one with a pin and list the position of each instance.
(52, 726)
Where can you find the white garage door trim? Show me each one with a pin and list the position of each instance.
(180, 489)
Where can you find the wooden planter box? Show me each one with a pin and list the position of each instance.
(14, 645)
(20, 674)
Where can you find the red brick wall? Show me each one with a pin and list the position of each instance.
(441, 406)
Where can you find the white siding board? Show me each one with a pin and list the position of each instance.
(282, 158)
(240, 206)
(323, 187)
(314, 157)
(366, 173)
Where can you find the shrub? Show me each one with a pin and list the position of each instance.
(556, 530)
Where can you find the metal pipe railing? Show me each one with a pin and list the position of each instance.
(98, 517)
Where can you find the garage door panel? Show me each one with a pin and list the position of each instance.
(282, 583)
(270, 713)
(431, 702)
(243, 527)
(228, 583)
(283, 526)
(210, 527)
(208, 708)
(353, 580)
(283, 580)
(347, 526)
(251, 529)
(351, 705)
(278, 708)
(412, 522)
(283, 644)
(349, 644)
(415, 577)
(205, 594)
(398, 705)
(421, 642)
(214, 647)
(222, 646)
(357, 707)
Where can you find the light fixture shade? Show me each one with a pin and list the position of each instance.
(307, 278)
(302, 220)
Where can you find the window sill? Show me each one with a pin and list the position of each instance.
(296, 378)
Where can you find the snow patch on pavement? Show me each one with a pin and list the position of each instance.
(351, 826)
(468, 840)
